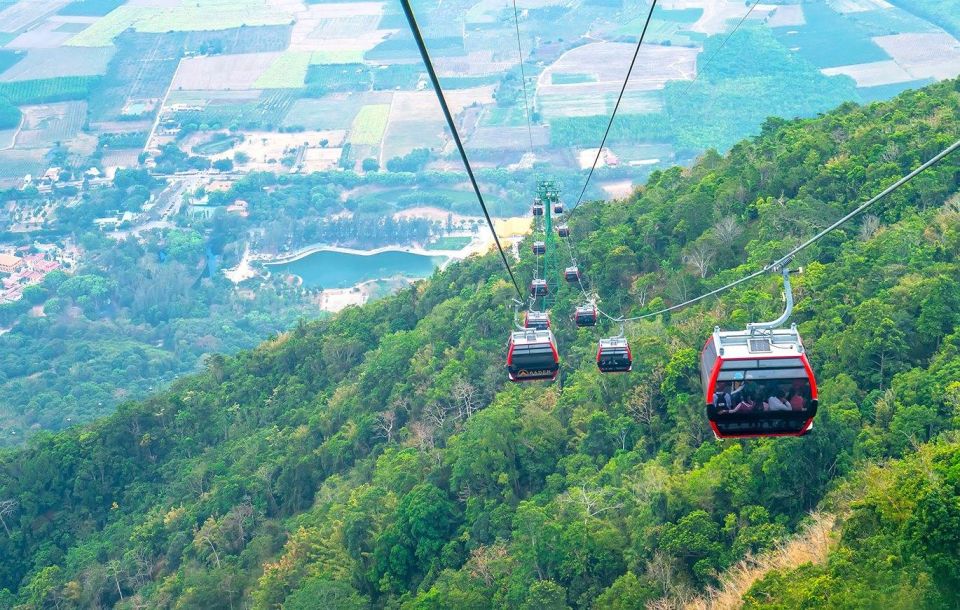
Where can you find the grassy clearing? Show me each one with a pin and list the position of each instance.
(289, 71)
(327, 113)
(449, 243)
(369, 124)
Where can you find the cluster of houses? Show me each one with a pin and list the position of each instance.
(19, 270)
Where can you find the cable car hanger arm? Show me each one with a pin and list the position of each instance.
(783, 261)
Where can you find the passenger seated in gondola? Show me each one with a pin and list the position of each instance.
(722, 398)
(775, 401)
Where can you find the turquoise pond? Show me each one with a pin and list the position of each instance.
(327, 269)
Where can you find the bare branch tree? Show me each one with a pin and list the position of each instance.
(386, 422)
(869, 226)
(7, 507)
(465, 397)
(699, 257)
(727, 230)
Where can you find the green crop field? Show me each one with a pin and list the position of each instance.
(289, 71)
(369, 124)
(561, 78)
(829, 39)
(48, 89)
(334, 112)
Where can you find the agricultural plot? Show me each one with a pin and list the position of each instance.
(234, 41)
(335, 111)
(476, 63)
(223, 72)
(787, 15)
(873, 74)
(139, 73)
(192, 16)
(288, 71)
(48, 89)
(52, 63)
(27, 12)
(415, 121)
(924, 55)
(338, 28)
(508, 138)
(90, 8)
(47, 124)
(829, 39)
(265, 111)
(604, 62)
(858, 6)
(15, 164)
(7, 138)
(369, 124)
(8, 59)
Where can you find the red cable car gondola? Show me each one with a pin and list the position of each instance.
(558, 208)
(537, 320)
(758, 382)
(613, 355)
(563, 231)
(538, 288)
(537, 208)
(532, 356)
(572, 274)
(539, 248)
(585, 315)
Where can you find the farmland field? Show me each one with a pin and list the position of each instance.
(18, 16)
(257, 39)
(15, 164)
(192, 16)
(335, 111)
(286, 72)
(46, 124)
(52, 63)
(223, 72)
(7, 59)
(90, 8)
(369, 124)
(48, 89)
(140, 71)
(264, 112)
(341, 56)
(829, 39)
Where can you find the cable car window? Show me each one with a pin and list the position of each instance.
(729, 365)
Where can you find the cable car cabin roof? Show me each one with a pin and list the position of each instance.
(613, 355)
(539, 320)
(532, 356)
(742, 344)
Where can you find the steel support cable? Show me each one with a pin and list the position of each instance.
(785, 259)
(616, 106)
(523, 75)
(415, 29)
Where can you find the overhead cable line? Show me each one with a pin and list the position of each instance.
(418, 36)
(523, 76)
(786, 258)
(616, 106)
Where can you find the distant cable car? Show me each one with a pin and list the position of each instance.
(532, 356)
(558, 208)
(538, 288)
(563, 231)
(585, 315)
(758, 381)
(537, 208)
(613, 355)
(572, 274)
(537, 320)
(539, 248)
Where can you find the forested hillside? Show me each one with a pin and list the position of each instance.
(380, 459)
